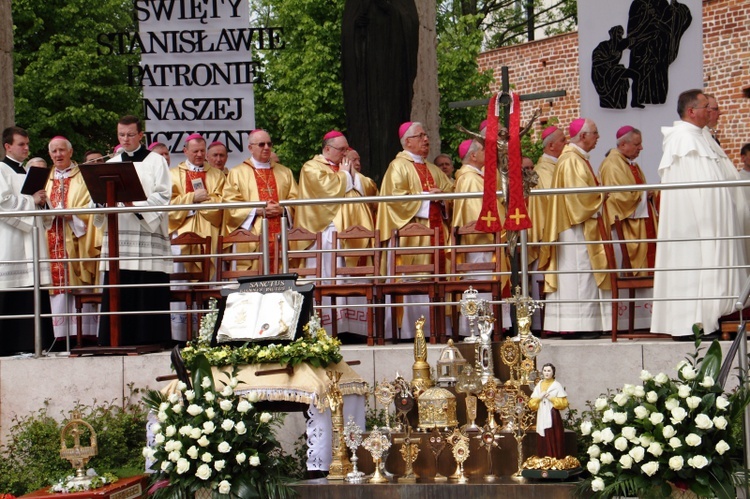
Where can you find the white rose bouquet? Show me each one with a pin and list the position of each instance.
(644, 440)
(218, 440)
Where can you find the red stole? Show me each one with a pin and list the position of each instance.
(267, 191)
(56, 235)
(436, 214)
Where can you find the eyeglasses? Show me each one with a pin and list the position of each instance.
(339, 149)
(714, 109)
(262, 144)
(128, 135)
(418, 136)
(701, 107)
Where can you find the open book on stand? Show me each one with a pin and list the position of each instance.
(255, 316)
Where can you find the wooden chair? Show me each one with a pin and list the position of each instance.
(197, 268)
(623, 278)
(427, 285)
(234, 261)
(355, 263)
(301, 241)
(450, 289)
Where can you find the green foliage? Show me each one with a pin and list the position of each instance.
(31, 458)
(301, 97)
(62, 87)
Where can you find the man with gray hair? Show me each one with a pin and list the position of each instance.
(697, 228)
(572, 219)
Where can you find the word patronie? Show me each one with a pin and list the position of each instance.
(199, 75)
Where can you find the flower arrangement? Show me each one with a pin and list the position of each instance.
(217, 440)
(315, 348)
(667, 432)
(69, 484)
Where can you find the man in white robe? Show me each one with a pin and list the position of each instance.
(706, 215)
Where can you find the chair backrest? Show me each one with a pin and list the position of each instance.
(626, 263)
(609, 250)
(415, 256)
(301, 241)
(461, 252)
(234, 261)
(196, 260)
(356, 252)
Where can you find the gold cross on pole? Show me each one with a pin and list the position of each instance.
(517, 216)
(488, 218)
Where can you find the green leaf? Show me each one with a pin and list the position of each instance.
(711, 362)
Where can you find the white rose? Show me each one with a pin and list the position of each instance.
(177, 445)
(240, 428)
(676, 463)
(689, 373)
(210, 412)
(254, 461)
(183, 465)
(196, 433)
(594, 451)
(608, 416)
(703, 422)
(607, 435)
(597, 484)
(722, 402)
(206, 382)
(224, 447)
(697, 462)
(606, 458)
(683, 391)
(672, 403)
(170, 430)
(193, 452)
(621, 417)
(596, 436)
(628, 432)
(652, 397)
(640, 392)
(621, 399)
(593, 466)
(207, 457)
(203, 472)
(224, 487)
(661, 378)
(265, 417)
(707, 382)
(174, 398)
(626, 462)
(190, 395)
(693, 402)
(219, 465)
(209, 427)
(155, 428)
(637, 453)
(166, 465)
(227, 425)
(240, 457)
(645, 375)
(209, 397)
(194, 409)
(628, 389)
(640, 412)
(148, 453)
(253, 397)
(243, 406)
(182, 386)
(163, 406)
(177, 408)
(656, 418)
(693, 440)
(185, 430)
(621, 444)
(645, 440)
(655, 449)
(668, 432)
(650, 468)
(227, 391)
(721, 447)
(159, 438)
(225, 405)
(203, 441)
(675, 443)
(586, 428)
(678, 414)
(720, 422)
(233, 382)
(600, 404)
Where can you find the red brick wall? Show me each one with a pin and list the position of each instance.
(552, 64)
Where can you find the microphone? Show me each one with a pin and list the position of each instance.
(99, 160)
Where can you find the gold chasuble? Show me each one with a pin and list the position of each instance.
(466, 211)
(247, 183)
(616, 169)
(202, 222)
(544, 168)
(563, 212)
(402, 179)
(64, 192)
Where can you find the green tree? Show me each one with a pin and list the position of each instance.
(62, 87)
(301, 97)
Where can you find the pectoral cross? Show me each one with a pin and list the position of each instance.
(517, 216)
(488, 218)
(409, 451)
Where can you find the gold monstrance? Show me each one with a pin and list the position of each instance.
(78, 455)
(340, 464)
